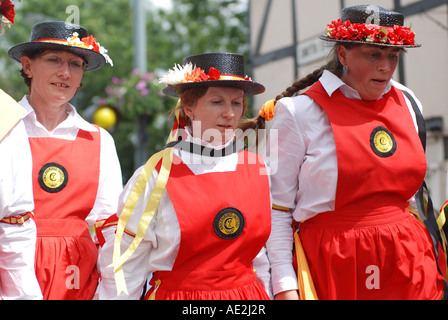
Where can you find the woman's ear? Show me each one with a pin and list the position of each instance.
(188, 112)
(342, 55)
(26, 66)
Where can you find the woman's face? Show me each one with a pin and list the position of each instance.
(55, 76)
(369, 68)
(216, 114)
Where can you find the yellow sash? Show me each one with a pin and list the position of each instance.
(306, 286)
(119, 259)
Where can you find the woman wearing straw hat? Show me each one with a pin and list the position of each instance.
(76, 174)
(17, 229)
(350, 159)
(197, 215)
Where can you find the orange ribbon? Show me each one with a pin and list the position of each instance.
(267, 111)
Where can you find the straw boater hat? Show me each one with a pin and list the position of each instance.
(370, 24)
(210, 70)
(59, 35)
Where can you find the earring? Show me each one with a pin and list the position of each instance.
(344, 70)
(192, 118)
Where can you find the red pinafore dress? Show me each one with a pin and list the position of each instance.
(371, 246)
(65, 183)
(225, 221)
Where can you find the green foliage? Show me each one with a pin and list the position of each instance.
(191, 27)
(138, 94)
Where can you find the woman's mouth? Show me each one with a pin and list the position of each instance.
(225, 126)
(379, 81)
(61, 85)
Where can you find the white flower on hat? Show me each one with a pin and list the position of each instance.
(177, 74)
(89, 43)
(104, 51)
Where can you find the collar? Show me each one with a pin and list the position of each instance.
(189, 138)
(331, 83)
(74, 120)
(203, 148)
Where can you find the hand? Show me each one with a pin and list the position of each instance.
(287, 295)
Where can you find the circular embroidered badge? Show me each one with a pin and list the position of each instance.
(383, 142)
(229, 223)
(52, 177)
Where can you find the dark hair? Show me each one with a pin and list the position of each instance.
(32, 54)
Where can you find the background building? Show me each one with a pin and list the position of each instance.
(285, 46)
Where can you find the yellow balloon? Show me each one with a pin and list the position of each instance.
(105, 117)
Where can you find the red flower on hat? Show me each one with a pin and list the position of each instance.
(380, 35)
(369, 33)
(196, 75)
(213, 74)
(404, 35)
(7, 10)
(91, 41)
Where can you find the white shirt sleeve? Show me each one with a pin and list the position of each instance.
(110, 181)
(16, 191)
(157, 251)
(262, 271)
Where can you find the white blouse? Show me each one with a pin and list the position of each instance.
(306, 172)
(16, 191)
(110, 180)
(159, 248)
(17, 242)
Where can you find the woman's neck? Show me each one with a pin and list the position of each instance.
(215, 144)
(49, 115)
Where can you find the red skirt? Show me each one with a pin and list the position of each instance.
(380, 254)
(66, 259)
(235, 284)
(253, 291)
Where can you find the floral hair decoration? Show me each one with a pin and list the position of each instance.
(370, 33)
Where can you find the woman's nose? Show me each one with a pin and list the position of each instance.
(228, 112)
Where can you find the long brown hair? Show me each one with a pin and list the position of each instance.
(333, 65)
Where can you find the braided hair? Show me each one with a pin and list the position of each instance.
(333, 65)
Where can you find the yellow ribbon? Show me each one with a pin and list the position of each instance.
(441, 219)
(306, 285)
(118, 260)
(280, 208)
(166, 156)
(229, 77)
(175, 132)
(267, 111)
